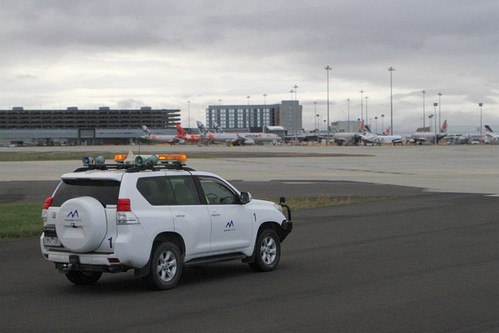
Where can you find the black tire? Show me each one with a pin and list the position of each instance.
(165, 266)
(267, 251)
(83, 278)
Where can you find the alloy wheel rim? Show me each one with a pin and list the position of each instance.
(167, 266)
(268, 250)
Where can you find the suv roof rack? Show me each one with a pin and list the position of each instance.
(136, 163)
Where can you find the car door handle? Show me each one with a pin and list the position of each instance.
(215, 214)
(180, 215)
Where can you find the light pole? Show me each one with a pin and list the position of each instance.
(429, 120)
(481, 130)
(348, 111)
(376, 120)
(424, 120)
(264, 99)
(439, 110)
(367, 117)
(391, 69)
(435, 113)
(382, 122)
(189, 114)
(327, 68)
(315, 116)
(361, 105)
(317, 120)
(295, 87)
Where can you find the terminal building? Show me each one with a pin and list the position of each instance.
(256, 118)
(73, 126)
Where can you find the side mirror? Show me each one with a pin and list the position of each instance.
(245, 197)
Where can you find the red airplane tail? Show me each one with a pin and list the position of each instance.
(444, 127)
(362, 127)
(180, 130)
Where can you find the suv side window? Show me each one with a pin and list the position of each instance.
(156, 190)
(184, 190)
(217, 193)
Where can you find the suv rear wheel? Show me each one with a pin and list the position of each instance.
(83, 278)
(267, 251)
(165, 266)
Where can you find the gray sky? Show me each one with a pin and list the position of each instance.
(124, 53)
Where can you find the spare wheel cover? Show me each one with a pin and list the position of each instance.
(81, 224)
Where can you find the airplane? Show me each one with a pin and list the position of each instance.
(159, 138)
(425, 137)
(348, 138)
(227, 138)
(258, 137)
(369, 137)
(491, 135)
(182, 135)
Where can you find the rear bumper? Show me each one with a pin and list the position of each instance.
(66, 267)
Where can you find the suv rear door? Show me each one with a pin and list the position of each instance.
(103, 190)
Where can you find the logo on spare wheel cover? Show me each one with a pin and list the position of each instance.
(73, 214)
(72, 217)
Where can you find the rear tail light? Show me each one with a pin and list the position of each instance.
(48, 202)
(124, 213)
(46, 206)
(124, 205)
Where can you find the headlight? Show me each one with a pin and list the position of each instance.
(278, 207)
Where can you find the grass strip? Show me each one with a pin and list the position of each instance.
(297, 204)
(20, 221)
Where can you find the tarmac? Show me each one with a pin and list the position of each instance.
(457, 169)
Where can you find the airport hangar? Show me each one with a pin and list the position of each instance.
(74, 126)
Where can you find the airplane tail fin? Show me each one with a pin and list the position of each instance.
(217, 128)
(180, 130)
(362, 127)
(444, 127)
(488, 129)
(368, 129)
(202, 129)
(387, 131)
(147, 132)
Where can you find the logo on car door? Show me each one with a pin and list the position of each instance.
(230, 226)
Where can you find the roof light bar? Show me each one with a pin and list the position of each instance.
(143, 160)
(90, 160)
(181, 158)
(151, 160)
(120, 158)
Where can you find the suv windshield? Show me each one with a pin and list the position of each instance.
(105, 191)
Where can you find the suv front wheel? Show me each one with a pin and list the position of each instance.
(267, 251)
(165, 266)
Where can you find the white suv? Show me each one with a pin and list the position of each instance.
(155, 219)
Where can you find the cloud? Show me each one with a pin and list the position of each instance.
(164, 53)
